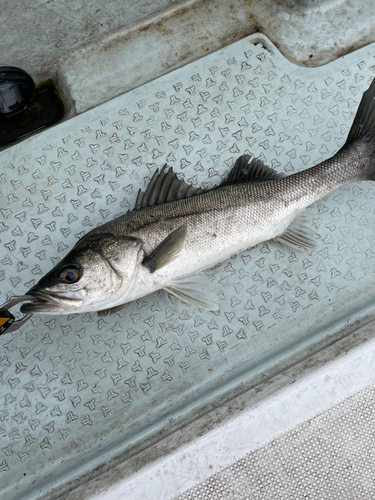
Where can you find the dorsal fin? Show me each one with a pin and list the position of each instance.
(255, 171)
(165, 186)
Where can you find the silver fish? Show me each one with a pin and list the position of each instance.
(176, 230)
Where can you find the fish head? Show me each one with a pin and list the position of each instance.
(96, 273)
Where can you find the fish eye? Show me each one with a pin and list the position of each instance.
(70, 274)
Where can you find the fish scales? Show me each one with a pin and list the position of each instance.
(234, 217)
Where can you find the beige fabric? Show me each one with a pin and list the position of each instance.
(331, 456)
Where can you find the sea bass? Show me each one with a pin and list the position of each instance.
(175, 230)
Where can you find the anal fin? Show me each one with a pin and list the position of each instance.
(299, 235)
(196, 289)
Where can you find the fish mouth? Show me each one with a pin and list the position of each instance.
(52, 302)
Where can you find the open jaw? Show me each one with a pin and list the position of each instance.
(52, 302)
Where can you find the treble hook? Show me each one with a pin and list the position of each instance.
(8, 323)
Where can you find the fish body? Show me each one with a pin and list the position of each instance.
(176, 231)
(220, 224)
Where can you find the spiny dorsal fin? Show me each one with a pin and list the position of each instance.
(299, 235)
(167, 250)
(255, 171)
(165, 186)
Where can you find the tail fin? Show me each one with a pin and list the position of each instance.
(362, 136)
(363, 126)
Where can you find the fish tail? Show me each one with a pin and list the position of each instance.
(362, 135)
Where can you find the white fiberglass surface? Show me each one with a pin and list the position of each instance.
(77, 389)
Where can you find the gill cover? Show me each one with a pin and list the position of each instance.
(96, 273)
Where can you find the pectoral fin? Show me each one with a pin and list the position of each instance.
(196, 289)
(111, 310)
(299, 235)
(167, 250)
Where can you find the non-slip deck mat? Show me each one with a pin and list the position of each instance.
(75, 390)
(331, 456)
